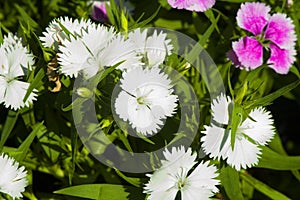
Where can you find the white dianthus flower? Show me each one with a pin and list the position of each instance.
(246, 153)
(153, 48)
(173, 176)
(146, 99)
(15, 61)
(55, 35)
(97, 48)
(12, 177)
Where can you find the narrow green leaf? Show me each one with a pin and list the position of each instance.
(25, 17)
(36, 83)
(231, 183)
(74, 142)
(266, 100)
(10, 122)
(143, 137)
(122, 137)
(263, 188)
(133, 181)
(100, 191)
(236, 120)
(24, 147)
(65, 29)
(295, 70)
(204, 38)
(124, 22)
(210, 15)
(272, 160)
(146, 21)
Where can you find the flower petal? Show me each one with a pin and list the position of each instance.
(249, 52)
(245, 154)
(281, 60)
(219, 107)
(212, 140)
(13, 177)
(192, 5)
(201, 179)
(253, 17)
(15, 93)
(280, 30)
(261, 130)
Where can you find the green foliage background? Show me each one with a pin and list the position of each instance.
(43, 137)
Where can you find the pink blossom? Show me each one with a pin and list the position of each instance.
(274, 33)
(99, 11)
(192, 5)
(249, 51)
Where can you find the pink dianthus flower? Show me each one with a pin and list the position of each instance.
(274, 32)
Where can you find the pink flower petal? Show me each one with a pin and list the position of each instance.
(192, 5)
(253, 17)
(280, 30)
(249, 52)
(231, 55)
(180, 4)
(281, 59)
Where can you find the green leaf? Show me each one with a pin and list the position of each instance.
(26, 18)
(24, 147)
(204, 38)
(263, 188)
(65, 29)
(124, 23)
(236, 120)
(36, 83)
(210, 15)
(294, 70)
(124, 140)
(266, 100)
(273, 160)
(146, 21)
(10, 122)
(231, 183)
(133, 181)
(100, 191)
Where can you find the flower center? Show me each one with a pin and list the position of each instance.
(181, 183)
(141, 100)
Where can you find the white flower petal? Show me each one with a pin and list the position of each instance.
(244, 155)
(261, 130)
(15, 93)
(173, 177)
(154, 48)
(246, 152)
(13, 178)
(54, 34)
(212, 140)
(220, 107)
(146, 99)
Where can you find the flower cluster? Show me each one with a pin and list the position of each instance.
(254, 131)
(80, 51)
(13, 178)
(176, 175)
(274, 32)
(15, 62)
